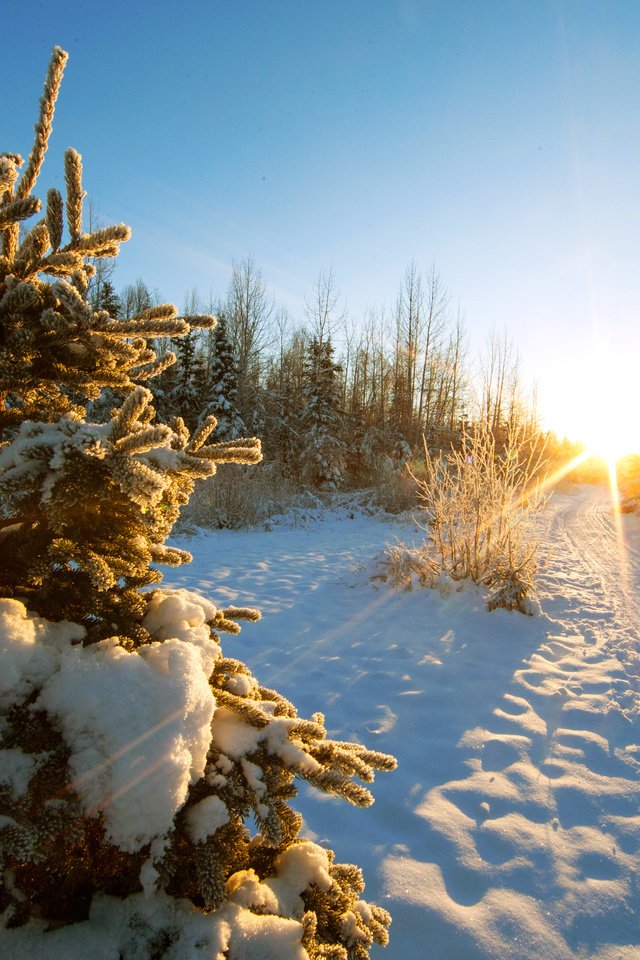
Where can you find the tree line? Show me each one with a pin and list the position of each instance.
(334, 402)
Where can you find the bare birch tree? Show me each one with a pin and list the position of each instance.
(248, 310)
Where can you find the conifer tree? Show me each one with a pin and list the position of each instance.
(105, 298)
(222, 385)
(185, 397)
(137, 755)
(323, 455)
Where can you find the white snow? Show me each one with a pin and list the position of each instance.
(232, 736)
(30, 649)
(131, 927)
(297, 868)
(204, 818)
(511, 829)
(183, 615)
(17, 769)
(134, 766)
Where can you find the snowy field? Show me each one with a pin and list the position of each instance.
(511, 829)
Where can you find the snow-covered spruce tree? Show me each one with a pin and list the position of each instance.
(222, 385)
(133, 754)
(186, 395)
(323, 453)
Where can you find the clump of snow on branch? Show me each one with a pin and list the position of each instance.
(135, 772)
(30, 650)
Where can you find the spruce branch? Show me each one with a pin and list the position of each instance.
(181, 433)
(11, 213)
(242, 613)
(20, 298)
(54, 217)
(142, 484)
(10, 239)
(225, 625)
(200, 321)
(9, 164)
(246, 709)
(62, 264)
(80, 278)
(201, 434)
(89, 243)
(73, 300)
(65, 551)
(131, 410)
(75, 193)
(150, 327)
(31, 251)
(43, 126)
(247, 450)
(153, 369)
(144, 440)
(169, 556)
(163, 311)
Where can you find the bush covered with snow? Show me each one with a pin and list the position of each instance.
(134, 756)
(478, 505)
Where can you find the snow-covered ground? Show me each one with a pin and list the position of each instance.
(511, 829)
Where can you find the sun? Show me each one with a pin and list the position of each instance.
(610, 438)
(598, 405)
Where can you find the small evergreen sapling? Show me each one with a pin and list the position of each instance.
(133, 754)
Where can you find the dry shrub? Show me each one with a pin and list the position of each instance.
(479, 503)
(239, 497)
(396, 489)
(408, 566)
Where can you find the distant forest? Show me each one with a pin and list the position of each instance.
(333, 402)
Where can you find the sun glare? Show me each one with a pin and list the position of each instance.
(596, 406)
(609, 439)
(599, 407)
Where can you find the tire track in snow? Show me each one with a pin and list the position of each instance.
(585, 524)
(583, 527)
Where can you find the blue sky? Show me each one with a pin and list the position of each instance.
(497, 140)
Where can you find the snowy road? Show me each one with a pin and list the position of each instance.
(595, 561)
(538, 844)
(600, 553)
(511, 829)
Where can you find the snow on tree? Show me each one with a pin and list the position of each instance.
(323, 453)
(134, 756)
